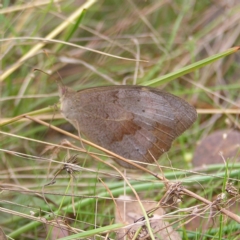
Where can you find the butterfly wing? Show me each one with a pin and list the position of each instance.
(137, 123)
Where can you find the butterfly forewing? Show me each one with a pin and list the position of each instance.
(138, 123)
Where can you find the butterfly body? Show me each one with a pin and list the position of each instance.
(138, 123)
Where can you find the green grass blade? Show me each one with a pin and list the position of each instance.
(73, 29)
(190, 68)
(90, 233)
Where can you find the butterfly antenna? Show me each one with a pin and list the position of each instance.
(59, 80)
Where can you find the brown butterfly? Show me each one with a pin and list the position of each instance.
(135, 122)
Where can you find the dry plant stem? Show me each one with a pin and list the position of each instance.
(222, 210)
(218, 111)
(224, 111)
(38, 219)
(18, 188)
(165, 181)
(205, 89)
(48, 38)
(113, 199)
(2, 188)
(27, 6)
(192, 194)
(72, 188)
(93, 145)
(5, 121)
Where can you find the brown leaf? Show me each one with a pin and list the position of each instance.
(133, 212)
(208, 151)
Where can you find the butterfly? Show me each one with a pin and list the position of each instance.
(135, 122)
